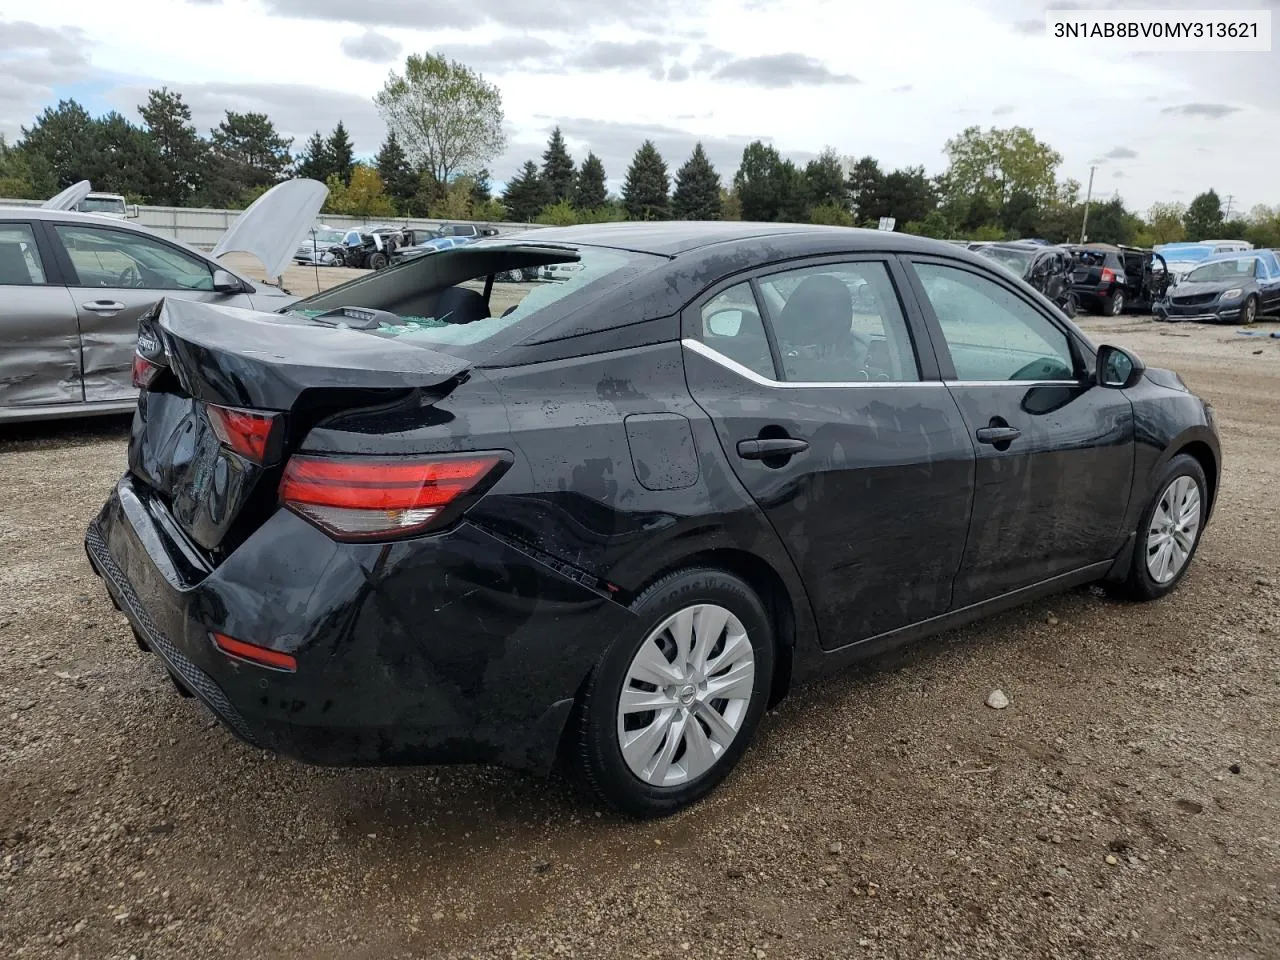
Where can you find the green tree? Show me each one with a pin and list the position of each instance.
(314, 163)
(341, 153)
(525, 195)
(933, 225)
(645, 191)
(247, 155)
(1164, 222)
(589, 192)
(1110, 222)
(17, 179)
(824, 180)
(557, 169)
(180, 150)
(67, 139)
(865, 188)
(456, 204)
(127, 160)
(363, 197)
(730, 204)
(997, 163)
(769, 188)
(447, 117)
(906, 194)
(697, 190)
(397, 175)
(481, 188)
(559, 214)
(1203, 219)
(832, 214)
(1264, 227)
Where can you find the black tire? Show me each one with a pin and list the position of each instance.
(339, 260)
(1070, 307)
(378, 261)
(1249, 312)
(599, 757)
(1139, 584)
(1115, 305)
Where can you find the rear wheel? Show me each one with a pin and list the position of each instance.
(378, 261)
(1169, 531)
(1249, 312)
(1115, 306)
(670, 709)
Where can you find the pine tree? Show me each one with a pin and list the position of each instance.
(697, 193)
(525, 195)
(481, 188)
(589, 192)
(314, 162)
(557, 169)
(341, 153)
(181, 151)
(644, 192)
(398, 178)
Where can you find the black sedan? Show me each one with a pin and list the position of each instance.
(618, 518)
(1230, 289)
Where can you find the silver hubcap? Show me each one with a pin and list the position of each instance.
(686, 695)
(1174, 527)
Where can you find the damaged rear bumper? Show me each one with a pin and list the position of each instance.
(452, 648)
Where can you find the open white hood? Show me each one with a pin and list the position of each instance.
(69, 197)
(275, 224)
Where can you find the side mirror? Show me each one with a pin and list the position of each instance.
(224, 282)
(1118, 368)
(725, 323)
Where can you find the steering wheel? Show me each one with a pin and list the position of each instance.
(130, 276)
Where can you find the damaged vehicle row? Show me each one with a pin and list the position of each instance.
(618, 521)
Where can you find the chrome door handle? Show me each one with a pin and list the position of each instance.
(103, 306)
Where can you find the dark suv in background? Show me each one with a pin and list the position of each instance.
(1108, 279)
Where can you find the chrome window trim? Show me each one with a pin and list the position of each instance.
(715, 356)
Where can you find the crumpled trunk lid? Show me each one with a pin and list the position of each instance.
(297, 369)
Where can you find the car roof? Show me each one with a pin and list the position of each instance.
(671, 238)
(40, 213)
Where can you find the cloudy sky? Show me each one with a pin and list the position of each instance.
(894, 80)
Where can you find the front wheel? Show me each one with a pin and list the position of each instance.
(1169, 531)
(1115, 306)
(378, 261)
(1249, 312)
(670, 709)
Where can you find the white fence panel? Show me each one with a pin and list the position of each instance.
(201, 227)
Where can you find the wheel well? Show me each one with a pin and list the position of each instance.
(764, 580)
(1204, 456)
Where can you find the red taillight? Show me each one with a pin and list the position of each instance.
(144, 371)
(364, 498)
(247, 432)
(262, 656)
(1108, 275)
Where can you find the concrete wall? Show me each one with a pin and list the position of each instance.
(202, 227)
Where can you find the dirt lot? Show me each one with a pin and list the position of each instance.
(1124, 805)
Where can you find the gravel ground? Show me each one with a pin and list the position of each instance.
(1124, 805)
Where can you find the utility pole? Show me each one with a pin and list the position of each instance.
(1084, 226)
(1227, 215)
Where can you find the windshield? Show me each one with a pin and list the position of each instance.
(1188, 254)
(328, 236)
(1222, 270)
(1015, 261)
(102, 205)
(440, 299)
